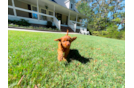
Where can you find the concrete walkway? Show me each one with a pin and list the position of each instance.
(29, 30)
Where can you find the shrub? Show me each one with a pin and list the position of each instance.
(54, 27)
(15, 22)
(49, 24)
(9, 21)
(97, 33)
(104, 33)
(22, 22)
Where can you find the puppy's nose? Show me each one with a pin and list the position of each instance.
(68, 44)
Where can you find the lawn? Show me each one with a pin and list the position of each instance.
(94, 62)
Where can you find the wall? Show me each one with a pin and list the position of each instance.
(64, 18)
(10, 2)
(72, 18)
(10, 11)
(21, 5)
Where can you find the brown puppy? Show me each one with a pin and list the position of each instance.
(64, 46)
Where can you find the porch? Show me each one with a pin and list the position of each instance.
(41, 11)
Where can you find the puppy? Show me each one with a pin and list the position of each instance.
(64, 46)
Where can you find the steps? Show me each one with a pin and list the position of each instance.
(64, 29)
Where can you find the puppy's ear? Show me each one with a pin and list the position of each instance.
(72, 39)
(58, 39)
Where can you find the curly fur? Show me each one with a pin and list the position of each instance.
(64, 46)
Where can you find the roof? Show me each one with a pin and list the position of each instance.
(62, 3)
(54, 1)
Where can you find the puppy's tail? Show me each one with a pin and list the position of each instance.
(67, 31)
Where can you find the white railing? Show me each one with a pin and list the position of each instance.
(25, 10)
(72, 25)
(57, 23)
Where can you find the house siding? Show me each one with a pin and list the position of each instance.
(10, 11)
(21, 5)
(64, 19)
(73, 18)
(24, 5)
(9, 2)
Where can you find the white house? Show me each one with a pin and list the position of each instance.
(62, 13)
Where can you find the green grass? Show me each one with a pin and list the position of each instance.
(34, 55)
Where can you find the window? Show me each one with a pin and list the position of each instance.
(50, 13)
(43, 11)
(71, 6)
(43, 17)
(34, 15)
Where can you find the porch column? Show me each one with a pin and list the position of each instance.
(38, 10)
(54, 12)
(14, 10)
(76, 19)
(68, 18)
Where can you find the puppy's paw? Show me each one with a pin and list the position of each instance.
(64, 59)
(60, 59)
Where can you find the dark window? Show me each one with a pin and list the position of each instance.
(43, 17)
(43, 11)
(50, 13)
(71, 6)
(29, 8)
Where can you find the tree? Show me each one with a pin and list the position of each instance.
(102, 13)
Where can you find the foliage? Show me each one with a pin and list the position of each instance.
(32, 27)
(111, 32)
(103, 14)
(21, 22)
(97, 33)
(49, 24)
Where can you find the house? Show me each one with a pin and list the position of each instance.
(62, 13)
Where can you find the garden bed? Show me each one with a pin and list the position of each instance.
(33, 28)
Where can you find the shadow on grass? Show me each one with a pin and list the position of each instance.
(75, 55)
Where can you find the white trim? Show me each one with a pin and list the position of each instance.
(9, 6)
(30, 20)
(14, 10)
(38, 9)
